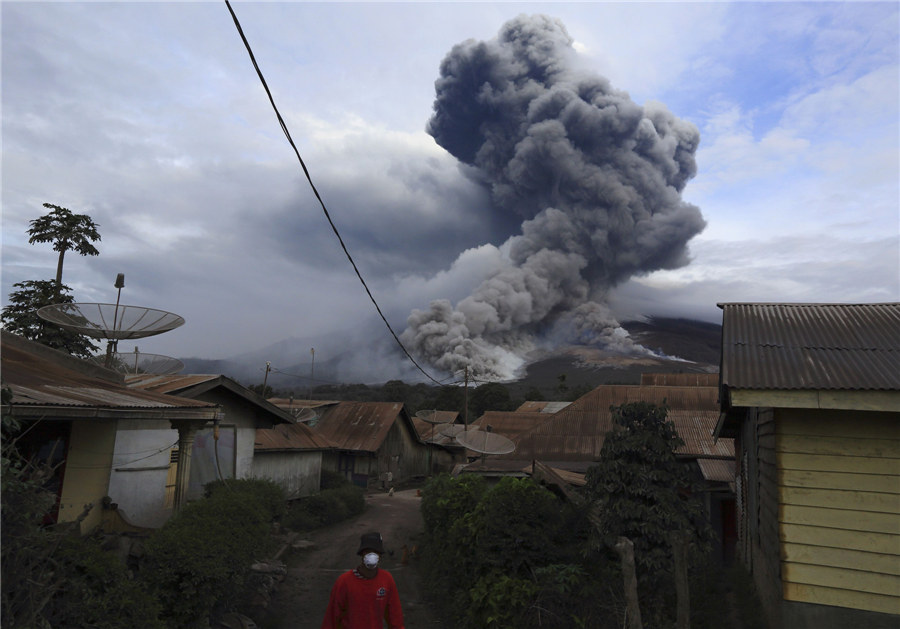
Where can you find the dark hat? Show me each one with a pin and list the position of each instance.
(371, 541)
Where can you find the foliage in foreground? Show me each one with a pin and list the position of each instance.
(197, 564)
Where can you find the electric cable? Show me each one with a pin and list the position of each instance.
(334, 228)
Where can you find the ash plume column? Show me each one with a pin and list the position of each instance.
(595, 178)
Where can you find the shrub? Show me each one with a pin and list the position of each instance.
(268, 493)
(99, 592)
(341, 501)
(200, 559)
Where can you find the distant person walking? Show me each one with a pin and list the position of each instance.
(365, 597)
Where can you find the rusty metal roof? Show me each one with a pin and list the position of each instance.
(576, 433)
(696, 430)
(193, 386)
(511, 424)
(811, 346)
(542, 407)
(290, 437)
(681, 379)
(361, 426)
(717, 470)
(51, 384)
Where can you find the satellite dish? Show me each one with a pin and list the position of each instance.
(451, 430)
(110, 321)
(304, 415)
(433, 418)
(138, 363)
(485, 442)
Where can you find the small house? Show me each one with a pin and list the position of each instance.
(811, 395)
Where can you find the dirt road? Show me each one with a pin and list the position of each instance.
(301, 599)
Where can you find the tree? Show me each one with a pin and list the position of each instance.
(20, 317)
(492, 396)
(67, 231)
(642, 492)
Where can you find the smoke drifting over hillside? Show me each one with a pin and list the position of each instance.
(595, 178)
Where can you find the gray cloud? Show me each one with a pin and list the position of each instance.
(596, 178)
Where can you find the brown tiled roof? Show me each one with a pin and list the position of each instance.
(811, 346)
(361, 426)
(294, 437)
(52, 384)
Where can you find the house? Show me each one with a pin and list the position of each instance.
(291, 456)
(74, 411)
(568, 442)
(374, 439)
(223, 450)
(811, 394)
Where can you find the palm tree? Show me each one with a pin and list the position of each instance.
(66, 231)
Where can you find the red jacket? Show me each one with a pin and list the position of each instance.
(360, 603)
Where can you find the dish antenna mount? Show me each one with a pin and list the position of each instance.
(433, 418)
(111, 321)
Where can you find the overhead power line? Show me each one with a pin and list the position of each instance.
(334, 228)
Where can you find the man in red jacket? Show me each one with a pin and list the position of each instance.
(365, 597)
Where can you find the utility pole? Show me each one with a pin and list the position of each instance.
(266, 377)
(312, 370)
(466, 401)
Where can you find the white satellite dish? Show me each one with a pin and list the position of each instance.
(485, 442)
(304, 415)
(137, 362)
(451, 430)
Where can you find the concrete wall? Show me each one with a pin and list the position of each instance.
(140, 466)
(86, 479)
(298, 473)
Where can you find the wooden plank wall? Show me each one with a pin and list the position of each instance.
(839, 486)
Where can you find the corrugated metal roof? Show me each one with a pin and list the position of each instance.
(290, 437)
(40, 377)
(360, 426)
(511, 424)
(167, 383)
(542, 407)
(576, 433)
(717, 470)
(680, 379)
(696, 430)
(811, 346)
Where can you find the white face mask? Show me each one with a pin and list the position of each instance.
(370, 560)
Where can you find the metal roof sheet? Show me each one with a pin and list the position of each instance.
(40, 377)
(290, 437)
(577, 432)
(167, 383)
(811, 346)
(717, 470)
(543, 407)
(681, 379)
(511, 424)
(360, 426)
(696, 430)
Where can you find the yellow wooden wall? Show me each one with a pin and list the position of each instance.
(88, 467)
(839, 508)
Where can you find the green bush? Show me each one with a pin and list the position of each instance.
(99, 592)
(269, 494)
(199, 561)
(341, 501)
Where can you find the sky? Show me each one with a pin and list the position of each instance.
(771, 173)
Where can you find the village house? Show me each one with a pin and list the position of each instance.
(811, 394)
(221, 450)
(73, 411)
(375, 443)
(291, 455)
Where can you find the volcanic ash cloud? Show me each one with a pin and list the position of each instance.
(595, 179)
